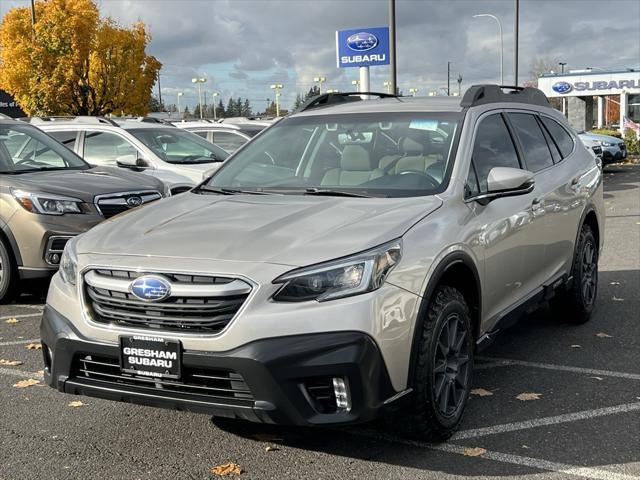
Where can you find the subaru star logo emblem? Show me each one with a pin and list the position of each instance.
(562, 87)
(150, 288)
(363, 41)
(134, 201)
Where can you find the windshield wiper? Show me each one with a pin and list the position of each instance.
(230, 191)
(334, 193)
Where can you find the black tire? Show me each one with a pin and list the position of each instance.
(441, 370)
(8, 274)
(576, 303)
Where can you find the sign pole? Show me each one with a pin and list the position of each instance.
(364, 79)
(392, 47)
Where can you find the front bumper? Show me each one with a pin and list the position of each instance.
(277, 371)
(613, 154)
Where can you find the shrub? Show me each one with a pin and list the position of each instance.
(606, 131)
(632, 141)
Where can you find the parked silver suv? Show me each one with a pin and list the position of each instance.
(348, 261)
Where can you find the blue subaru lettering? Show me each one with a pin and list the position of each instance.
(562, 87)
(362, 41)
(150, 288)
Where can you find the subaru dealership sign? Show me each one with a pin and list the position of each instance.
(362, 47)
(584, 84)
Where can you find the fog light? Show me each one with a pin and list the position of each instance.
(54, 258)
(340, 390)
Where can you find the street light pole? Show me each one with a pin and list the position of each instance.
(517, 34)
(213, 96)
(392, 47)
(562, 64)
(277, 87)
(320, 81)
(199, 81)
(33, 14)
(179, 95)
(448, 79)
(501, 43)
(388, 85)
(459, 83)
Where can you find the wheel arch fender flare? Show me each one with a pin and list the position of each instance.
(7, 235)
(450, 261)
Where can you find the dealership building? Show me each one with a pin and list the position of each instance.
(595, 98)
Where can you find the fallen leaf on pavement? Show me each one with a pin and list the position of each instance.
(226, 469)
(26, 383)
(603, 335)
(12, 321)
(524, 397)
(597, 378)
(576, 346)
(481, 392)
(34, 346)
(271, 449)
(525, 446)
(11, 363)
(474, 452)
(616, 299)
(614, 283)
(75, 403)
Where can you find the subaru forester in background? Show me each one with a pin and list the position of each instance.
(48, 195)
(347, 262)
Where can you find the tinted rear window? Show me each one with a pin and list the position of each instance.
(536, 151)
(560, 136)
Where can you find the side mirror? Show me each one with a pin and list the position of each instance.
(131, 161)
(506, 182)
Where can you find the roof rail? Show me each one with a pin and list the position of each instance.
(483, 94)
(339, 97)
(76, 119)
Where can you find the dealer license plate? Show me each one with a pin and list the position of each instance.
(150, 356)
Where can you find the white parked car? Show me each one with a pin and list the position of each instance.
(175, 156)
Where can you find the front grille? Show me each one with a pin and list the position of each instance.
(622, 146)
(197, 304)
(115, 203)
(213, 383)
(597, 150)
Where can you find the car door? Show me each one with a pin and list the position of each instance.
(537, 158)
(104, 147)
(503, 225)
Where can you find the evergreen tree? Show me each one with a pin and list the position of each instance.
(231, 108)
(246, 108)
(299, 101)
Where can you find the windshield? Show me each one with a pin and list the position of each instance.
(24, 148)
(373, 154)
(179, 146)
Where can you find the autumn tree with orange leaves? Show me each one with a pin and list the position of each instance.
(73, 62)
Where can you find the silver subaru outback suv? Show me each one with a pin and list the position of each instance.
(348, 262)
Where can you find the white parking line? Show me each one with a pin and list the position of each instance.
(505, 362)
(540, 422)
(19, 342)
(563, 468)
(27, 305)
(22, 315)
(20, 373)
(539, 464)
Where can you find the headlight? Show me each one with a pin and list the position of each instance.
(360, 273)
(69, 262)
(47, 204)
(607, 144)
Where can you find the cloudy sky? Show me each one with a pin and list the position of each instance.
(243, 46)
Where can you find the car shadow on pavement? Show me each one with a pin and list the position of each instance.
(539, 337)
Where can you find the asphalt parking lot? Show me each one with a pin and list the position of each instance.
(581, 419)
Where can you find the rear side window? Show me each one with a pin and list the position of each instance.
(229, 141)
(67, 138)
(536, 151)
(493, 147)
(560, 136)
(104, 148)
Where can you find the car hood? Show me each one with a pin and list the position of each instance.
(284, 229)
(197, 171)
(603, 138)
(85, 184)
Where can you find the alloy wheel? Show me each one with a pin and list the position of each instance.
(589, 277)
(451, 365)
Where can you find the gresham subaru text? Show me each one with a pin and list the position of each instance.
(347, 262)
